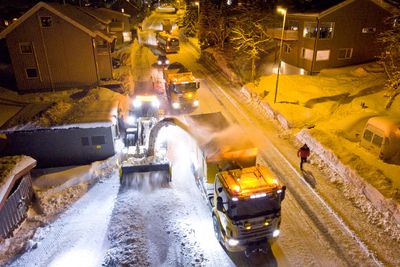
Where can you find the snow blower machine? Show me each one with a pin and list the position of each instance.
(144, 165)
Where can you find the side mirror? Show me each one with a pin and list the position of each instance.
(283, 192)
(197, 85)
(220, 205)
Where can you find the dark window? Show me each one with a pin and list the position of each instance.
(101, 44)
(377, 140)
(98, 140)
(85, 141)
(287, 48)
(45, 22)
(326, 30)
(31, 73)
(367, 135)
(26, 48)
(345, 53)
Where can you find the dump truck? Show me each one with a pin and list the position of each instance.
(244, 197)
(138, 159)
(166, 25)
(181, 87)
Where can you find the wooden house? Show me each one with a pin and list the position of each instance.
(56, 46)
(344, 34)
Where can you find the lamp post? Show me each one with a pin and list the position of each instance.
(198, 9)
(283, 12)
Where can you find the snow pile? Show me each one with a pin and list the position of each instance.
(69, 107)
(56, 191)
(47, 207)
(9, 167)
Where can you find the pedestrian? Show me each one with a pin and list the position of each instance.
(303, 153)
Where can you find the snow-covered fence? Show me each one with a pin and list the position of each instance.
(14, 210)
(372, 194)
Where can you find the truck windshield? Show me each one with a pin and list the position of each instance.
(186, 87)
(249, 208)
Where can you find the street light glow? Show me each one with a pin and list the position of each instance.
(283, 12)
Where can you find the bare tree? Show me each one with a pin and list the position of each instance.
(249, 36)
(391, 57)
(215, 25)
(190, 21)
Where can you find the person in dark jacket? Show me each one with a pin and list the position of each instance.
(303, 153)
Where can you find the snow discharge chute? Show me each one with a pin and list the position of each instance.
(144, 164)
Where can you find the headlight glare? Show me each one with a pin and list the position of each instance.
(233, 242)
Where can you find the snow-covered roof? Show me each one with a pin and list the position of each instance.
(73, 14)
(388, 125)
(11, 168)
(96, 109)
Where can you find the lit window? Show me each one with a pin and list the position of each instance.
(322, 55)
(26, 48)
(292, 25)
(310, 30)
(345, 53)
(369, 30)
(122, 10)
(45, 22)
(326, 30)
(306, 53)
(31, 73)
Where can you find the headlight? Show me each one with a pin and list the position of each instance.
(276, 233)
(131, 120)
(167, 61)
(159, 62)
(233, 242)
(176, 105)
(137, 103)
(155, 103)
(196, 103)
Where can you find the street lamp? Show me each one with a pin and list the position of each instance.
(283, 12)
(198, 9)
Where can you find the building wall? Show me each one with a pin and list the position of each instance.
(63, 54)
(103, 57)
(62, 147)
(348, 24)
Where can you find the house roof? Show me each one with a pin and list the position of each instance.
(72, 14)
(77, 109)
(327, 7)
(114, 12)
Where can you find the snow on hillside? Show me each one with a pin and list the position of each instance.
(335, 105)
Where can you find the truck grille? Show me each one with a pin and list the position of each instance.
(258, 231)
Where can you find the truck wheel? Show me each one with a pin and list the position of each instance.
(216, 228)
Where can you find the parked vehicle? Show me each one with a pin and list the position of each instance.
(381, 135)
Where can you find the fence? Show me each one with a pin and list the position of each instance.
(15, 209)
